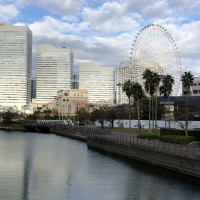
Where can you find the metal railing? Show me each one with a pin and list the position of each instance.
(188, 150)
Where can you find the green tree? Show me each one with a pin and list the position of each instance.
(148, 85)
(156, 82)
(99, 114)
(144, 109)
(166, 90)
(112, 114)
(128, 89)
(187, 81)
(9, 115)
(137, 95)
(82, 116)
(36, 115)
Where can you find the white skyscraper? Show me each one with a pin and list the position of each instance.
(124, 73)
(98, 80)
(15, 66)
(54, 71)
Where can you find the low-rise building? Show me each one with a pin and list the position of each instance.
(67, 102)
(195, 88)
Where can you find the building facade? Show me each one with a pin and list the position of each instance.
(124, 73)
(67, 102)
(98, 80)
(15, 67)
(54, 71)
(195, 88)
(75, 82)
(33, 88)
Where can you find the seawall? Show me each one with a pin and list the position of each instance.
(176, 162)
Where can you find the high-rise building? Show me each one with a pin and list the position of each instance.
(54, 71)
(75, 81)
(98, 80)
(15, 66)
(124, 73)
(33, 88)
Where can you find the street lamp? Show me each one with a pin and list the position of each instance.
(119, 102)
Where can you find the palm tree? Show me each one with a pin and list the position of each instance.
(148, 76)
(166, 90)
(187, 81)
(128, 89)
(156, 82)
(137, 95)
(163, 91)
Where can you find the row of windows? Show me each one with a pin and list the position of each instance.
(194, 92)
(195, 84)
(64, 100)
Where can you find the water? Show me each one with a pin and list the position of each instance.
(47, 167)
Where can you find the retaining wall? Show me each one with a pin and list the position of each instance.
(175, 162)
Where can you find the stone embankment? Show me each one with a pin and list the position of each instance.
(179, 162)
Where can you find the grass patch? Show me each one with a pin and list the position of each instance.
(179, 139)
(149, 136)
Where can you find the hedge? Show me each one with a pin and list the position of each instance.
(149, 136)
(177, 139)
(172, 131)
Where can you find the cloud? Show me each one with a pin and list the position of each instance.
(61, 7)
(55, 27)
(8, 12)
(158, 9)
(110, 17)
(100, 49)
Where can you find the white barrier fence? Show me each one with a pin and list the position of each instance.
(145, 124)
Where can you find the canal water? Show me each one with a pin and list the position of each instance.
(37, 166)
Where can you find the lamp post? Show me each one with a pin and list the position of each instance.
(119, 103)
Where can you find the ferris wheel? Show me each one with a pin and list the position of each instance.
(155, 48)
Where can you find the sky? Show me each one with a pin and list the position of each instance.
(102, 31)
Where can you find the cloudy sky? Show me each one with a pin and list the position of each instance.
(102, 31)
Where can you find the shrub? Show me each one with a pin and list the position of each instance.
(148, 136)
(173, 131)
(179, 139)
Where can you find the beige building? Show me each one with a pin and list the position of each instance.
(195, 88)
(67, 102)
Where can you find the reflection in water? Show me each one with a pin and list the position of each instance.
(28, 167)
(48, 167)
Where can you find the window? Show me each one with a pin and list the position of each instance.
(195, 91)
(69, 108)
(194, 84)
(66, 94)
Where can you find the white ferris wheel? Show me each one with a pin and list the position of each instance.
(155, 48)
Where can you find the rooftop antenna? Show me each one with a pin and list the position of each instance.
(64, 45)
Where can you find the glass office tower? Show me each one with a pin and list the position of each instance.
(54, 71)
(15, 67)
(98, 80)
